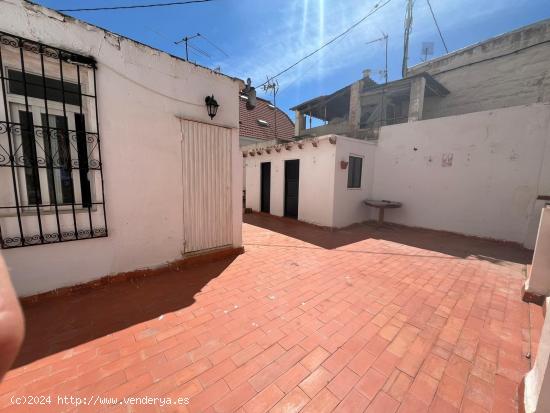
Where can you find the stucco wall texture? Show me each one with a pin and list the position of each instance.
(142, 96)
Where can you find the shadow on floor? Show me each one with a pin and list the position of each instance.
(443, 242)
(58, 323)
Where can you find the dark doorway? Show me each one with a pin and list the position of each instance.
(265, 186)
(292, 179)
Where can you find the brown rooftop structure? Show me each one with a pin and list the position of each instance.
(355, 110)
(263, 123)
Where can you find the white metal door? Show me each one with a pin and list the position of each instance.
(206, 154)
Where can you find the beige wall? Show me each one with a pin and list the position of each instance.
(505, 71)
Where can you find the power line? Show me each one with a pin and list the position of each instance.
(198, 50)
(138, 6)
(376, 7)
(437, 25)
(213, 44)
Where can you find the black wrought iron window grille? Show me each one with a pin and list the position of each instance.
(51, 177)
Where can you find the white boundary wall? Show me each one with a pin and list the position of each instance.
(141, 94)
(476, 174)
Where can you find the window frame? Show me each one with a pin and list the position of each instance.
(71, 78)
(349, 177)
(16, 103)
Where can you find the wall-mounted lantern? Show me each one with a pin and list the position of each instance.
(344, 164)
(211, 105)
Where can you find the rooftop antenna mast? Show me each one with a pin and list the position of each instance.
(408, 29)
(273, 86)
(186, 40)
(385, 39)
(385, 71)
(427, 50)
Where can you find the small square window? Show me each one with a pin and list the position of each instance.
(355, 169)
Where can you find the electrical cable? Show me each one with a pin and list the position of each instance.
(213, 44)
(437, 25)
(138, 6)
(376, 7)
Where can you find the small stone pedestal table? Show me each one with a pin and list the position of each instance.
(382, 205)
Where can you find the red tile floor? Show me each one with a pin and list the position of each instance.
(361, 319)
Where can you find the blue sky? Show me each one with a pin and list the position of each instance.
(262, 37)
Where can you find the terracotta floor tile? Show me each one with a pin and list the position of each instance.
(458, 368)
(440, 405)
(323, 402)
(412, 405)
(294, 401)
(434, 366)
(385, 363)
(292, 377)
(484, 369)
(343, 383)
(362, 361)
(399, 386)
(264, 400)
(423, 388)
(354, 402)
(319, 379)
(235, 399)
(470, 407)
(383, 403)
(315, 358)
(451, 390)
(352, 320)
(371, 383)
(480, 392)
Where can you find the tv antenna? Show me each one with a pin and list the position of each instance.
(427, 50)
(273, 86)
(385, 39)
(186, 41)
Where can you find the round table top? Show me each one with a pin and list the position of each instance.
(382, 203)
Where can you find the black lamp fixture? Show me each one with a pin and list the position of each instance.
(211, 105)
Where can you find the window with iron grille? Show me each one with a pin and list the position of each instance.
(51, 177)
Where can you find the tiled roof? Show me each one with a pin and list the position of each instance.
(252, 122)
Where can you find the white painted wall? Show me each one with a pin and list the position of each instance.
(537, 380)
(539, 276)
(316, 185)
(497, 172)
(324, 198)
(348, 203)
(141, 94)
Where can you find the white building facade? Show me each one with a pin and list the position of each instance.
(322, 181)
(485, 174)
(109, 160)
